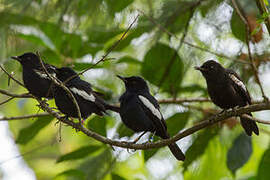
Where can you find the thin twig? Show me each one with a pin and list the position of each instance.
(173, 58)
(188, 43)
(62, 85)
(183, 100)
(245, 21)
(10, 76)
(24, 117)
(108, 52)
(264, 11)
(6, 101)
(25, 95)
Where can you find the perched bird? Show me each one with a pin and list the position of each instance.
(139, 111)
(88, 100)
(34, 77)
(227, 90)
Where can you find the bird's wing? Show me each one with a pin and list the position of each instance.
(50, 68)
(84, 90)
(151, 108)
(239, 85)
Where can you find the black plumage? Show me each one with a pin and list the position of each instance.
(139, 111)
(227, 90)
(35, 79)
(88, 100)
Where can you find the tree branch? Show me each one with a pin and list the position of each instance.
(24, 117)
(162, 28)
(243, 17)
(263, 9)
(208, 122)
(183, 100)
(62, 85)
(25, 95)
(108, 52)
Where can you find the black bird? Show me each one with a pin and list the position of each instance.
(227, 90)
(34, 77)
(139, 111)
(88, 100)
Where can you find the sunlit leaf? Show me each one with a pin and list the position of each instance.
(98, 124)
(117, 177)
(238, 27)
(127, 59)
(199, 146)
(75, 173)
(177, 122)
(264, 167)
(97, 167)
(79, 153)
(124, 131)
(28, 133)
(117, 5)
(162, 65)
(239, 153)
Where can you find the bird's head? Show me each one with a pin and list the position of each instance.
(28, 59)
(64, 73)
(134, 83)
(211, 69)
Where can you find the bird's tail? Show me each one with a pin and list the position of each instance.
(112, 108)
(249, 125)
(176, 151)
(178, 154)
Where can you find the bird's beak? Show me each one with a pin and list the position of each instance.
(15, 58)
(122, 78)
(200, 68)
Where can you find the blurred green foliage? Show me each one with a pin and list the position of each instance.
(78, 33)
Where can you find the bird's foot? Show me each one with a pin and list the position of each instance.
(151, 139)
(131, 150)
(138, 138)
(265, 99)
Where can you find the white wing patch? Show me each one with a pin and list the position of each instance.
(43, 74)
(237, 81)
(151, 107)
(83, 94)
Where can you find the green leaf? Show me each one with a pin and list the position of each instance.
(9, 18)
(128, 59)
(239, 153)
(117, 5)
(177, 122)
(199, 145)
(28, 133)
(162, 59)
(147, 154)
(208, 5)
(98, 124)
(193, 88)
(97, 166)
(117, 177)
(123, 131)
(238, 27)
(79, 153)
(99, 34)
(264, 167)
(80, 66)
(75, 173)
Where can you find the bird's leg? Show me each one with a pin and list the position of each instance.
(223, 110)
(152, 137)
(138, 138)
